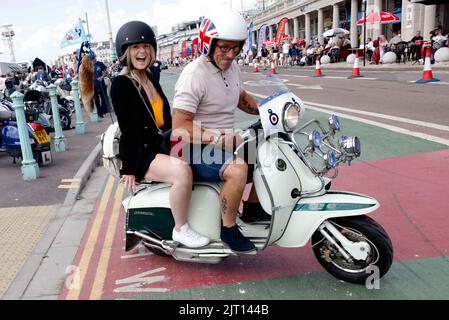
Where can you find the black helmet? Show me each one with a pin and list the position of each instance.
(134, 32)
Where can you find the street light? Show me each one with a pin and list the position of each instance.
(364, 32)
(112, 53)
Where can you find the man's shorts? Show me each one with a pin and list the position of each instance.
(209, 164)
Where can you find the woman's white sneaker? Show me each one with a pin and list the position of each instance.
(190, 238)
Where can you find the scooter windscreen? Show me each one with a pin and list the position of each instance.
(280, 110)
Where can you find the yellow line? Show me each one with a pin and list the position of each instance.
(100, 277)
(74, 186)
(70, 180)
(74, 293)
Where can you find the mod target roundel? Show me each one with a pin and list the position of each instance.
(274, 118)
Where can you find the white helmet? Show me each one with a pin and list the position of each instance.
(224, 24)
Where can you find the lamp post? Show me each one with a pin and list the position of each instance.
(364, 32)
(112, 53)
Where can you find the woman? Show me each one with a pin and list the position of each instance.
(383, 44)
(143, 114)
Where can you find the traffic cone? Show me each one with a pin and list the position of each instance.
(427, 75)
(256, 67)
(318, 68)
(273, 69)
(356, 68)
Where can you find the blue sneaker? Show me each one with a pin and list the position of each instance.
(235, 240)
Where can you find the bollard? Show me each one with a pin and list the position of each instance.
(94, 114)
(30, 168)
(60, 141)
(80, 129)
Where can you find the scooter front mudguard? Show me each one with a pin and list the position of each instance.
(310, 213)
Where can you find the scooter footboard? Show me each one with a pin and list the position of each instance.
(310, 213)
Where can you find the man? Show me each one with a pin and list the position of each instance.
(101, 96)
(208, 91)
(395, 39)
(42, 75)
(415, 46)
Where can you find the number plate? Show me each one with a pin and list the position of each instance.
(46, 158)
(41, 136)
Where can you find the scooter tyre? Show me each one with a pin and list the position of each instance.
(379, 242)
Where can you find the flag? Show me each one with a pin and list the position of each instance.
(281, 29)
(75, 35)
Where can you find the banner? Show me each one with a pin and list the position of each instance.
(183, 48)
(281, 30)
(75, 35)
(250, 37)
(195, 47)
(262, 37)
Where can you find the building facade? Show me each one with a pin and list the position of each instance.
(308, 19)
(178, 43)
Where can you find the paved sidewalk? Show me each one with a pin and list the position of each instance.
(32, 212)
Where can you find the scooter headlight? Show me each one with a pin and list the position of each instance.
(292, 115)
(330, 159)
(315, 139)
(334, 123)
(351, 146)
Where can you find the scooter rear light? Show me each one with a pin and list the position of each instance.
(36, 126)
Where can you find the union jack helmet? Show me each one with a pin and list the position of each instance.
(225, 25)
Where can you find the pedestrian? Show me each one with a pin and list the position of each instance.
(101, 91)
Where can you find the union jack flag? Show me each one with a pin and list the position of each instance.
(207, 31)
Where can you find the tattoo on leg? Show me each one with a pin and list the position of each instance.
(224, 206)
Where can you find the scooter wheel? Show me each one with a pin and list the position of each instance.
(359, 228)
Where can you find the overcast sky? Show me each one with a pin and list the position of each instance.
(41, 25)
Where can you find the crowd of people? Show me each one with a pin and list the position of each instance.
(297, 53)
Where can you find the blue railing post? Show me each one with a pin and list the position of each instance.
(30, 168)
(60, 141)
(80, 129)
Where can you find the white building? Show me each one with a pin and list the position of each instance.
(171, 45)
(310, 18)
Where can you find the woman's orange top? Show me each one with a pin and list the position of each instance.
(158, 110)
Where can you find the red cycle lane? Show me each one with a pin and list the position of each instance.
(412, 191)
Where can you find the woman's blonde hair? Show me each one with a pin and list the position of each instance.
(129, 70)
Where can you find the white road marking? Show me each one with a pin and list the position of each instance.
(386, 126)
(135, 283)
(375, 123)
(383, 116)
(300, 86)
(437, 82)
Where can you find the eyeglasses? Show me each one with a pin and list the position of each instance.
(226, 49)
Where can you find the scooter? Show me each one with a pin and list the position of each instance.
(10, 139)
(66, 101)
(296, 164)
(37, 98)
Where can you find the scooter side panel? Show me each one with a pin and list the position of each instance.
(310, 213)
(149, 211)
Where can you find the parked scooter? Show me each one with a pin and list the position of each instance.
(296, 164)
(37, 98)
(66, 101)
(10, 140)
